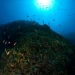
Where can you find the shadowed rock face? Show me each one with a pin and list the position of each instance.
(70, 36)
(32, 49)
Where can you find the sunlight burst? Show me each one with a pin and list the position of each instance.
(44, 4)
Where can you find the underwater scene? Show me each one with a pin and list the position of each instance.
(37, 37)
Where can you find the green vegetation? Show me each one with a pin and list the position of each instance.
(34, 50)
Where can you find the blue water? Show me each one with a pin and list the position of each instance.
(60, 17)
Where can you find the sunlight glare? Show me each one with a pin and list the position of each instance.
(44, 4)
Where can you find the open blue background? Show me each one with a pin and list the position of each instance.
(60, 18)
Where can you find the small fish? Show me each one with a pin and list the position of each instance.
(53, 19)
(68, 22)
(33, 15)
(22, 54)
(43, 21)
(61, 32)
(14, 44)
(28, 60)
(8, 52)
(71, 19)
(37, 4)
(4, 32)
(69, 34)
(48, 23)
(27, 16)
(57, 41)
(35, 30)
(3, 41)
(57, 37)
(59, 25)
(33, 23)
(7, 27)
(38, 18)
(8, 42)
(69, 15)
(30, 19)
(46, 7)
(8, 36)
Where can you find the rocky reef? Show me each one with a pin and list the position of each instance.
(27, 48)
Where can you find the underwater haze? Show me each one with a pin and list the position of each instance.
(58, 14)
(37, 37)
